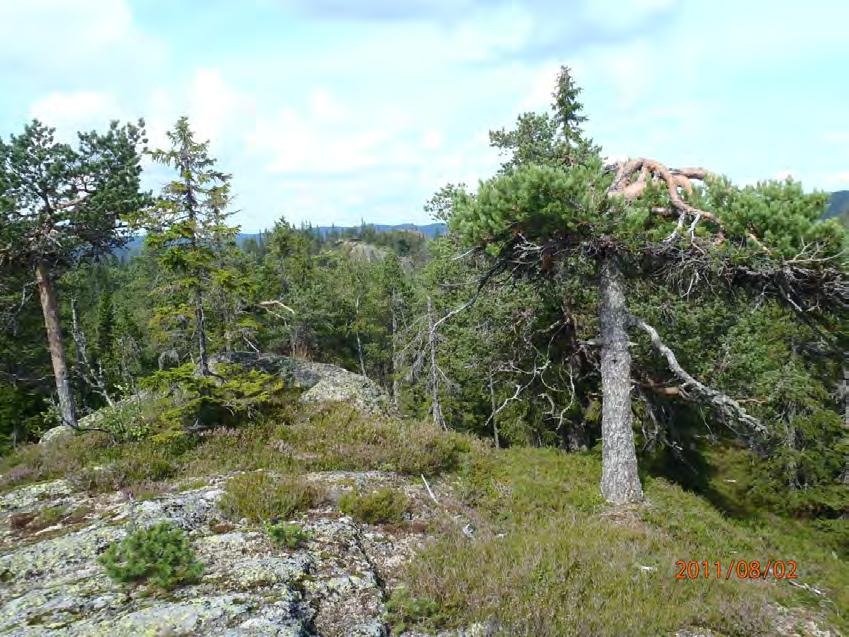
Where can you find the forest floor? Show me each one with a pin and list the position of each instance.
(407, 530)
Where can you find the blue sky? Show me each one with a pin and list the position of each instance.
(333, 111)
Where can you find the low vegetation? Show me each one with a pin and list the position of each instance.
(289, 536)
(548, 557)
(338, 436)
(383, 506)
(160, 555)
(261, 497)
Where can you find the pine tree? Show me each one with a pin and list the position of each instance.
(555, 207)
(60, 205)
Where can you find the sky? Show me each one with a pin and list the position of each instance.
(338, 111)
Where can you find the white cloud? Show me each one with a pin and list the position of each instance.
(213, 104)
(76, 110)
(837, 137)
(837, 181)
(58, 37)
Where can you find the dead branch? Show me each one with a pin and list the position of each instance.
(94, 377)
(676, 180)
(723, 403)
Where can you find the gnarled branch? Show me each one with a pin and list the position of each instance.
(723, 403)
(648, 170)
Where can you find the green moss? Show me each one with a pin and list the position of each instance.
(379, 507)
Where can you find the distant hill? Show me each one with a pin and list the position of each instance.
(429, 230)
(838, 206)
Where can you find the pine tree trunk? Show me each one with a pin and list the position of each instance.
(54, 341)
(200, 320)
(435, 406)
(396, 359)
(620, 482)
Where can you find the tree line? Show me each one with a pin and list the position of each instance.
(665, 318)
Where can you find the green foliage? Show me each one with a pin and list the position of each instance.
(231, 396)
(261, 497)
(133, 418)
(21, 415)
(41, 187)
(204, 290)
(405, 612)
(285, 535)
(161, 555)
(383, 506)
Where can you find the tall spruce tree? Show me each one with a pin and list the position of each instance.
(60, 205)
(188, 232)
(555, 207)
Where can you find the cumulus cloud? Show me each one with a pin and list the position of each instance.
(533, 29)
(71, 39)
(333, 110)
(76, 110)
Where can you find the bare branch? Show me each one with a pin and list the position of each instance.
(726, 405)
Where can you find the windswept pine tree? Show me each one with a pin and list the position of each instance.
(556, 209)
(60, 205)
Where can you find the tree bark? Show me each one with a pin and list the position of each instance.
(620, 482)
(435, 406)
(494, 412)
(54, 341)
(396, 358)
(94, 377)
(200, 320)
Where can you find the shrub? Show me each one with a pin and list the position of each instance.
(260, 497)
(339, 436)
(132, 418)
(289, 536)
(232, 395)
(404, 612)
(382, 506)
(160, 555)
(32, 463)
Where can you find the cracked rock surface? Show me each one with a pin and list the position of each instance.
(336, 584)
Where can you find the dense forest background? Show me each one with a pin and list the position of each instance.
(511, 361)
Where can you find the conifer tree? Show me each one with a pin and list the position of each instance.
(189, 233)
(60, 205)
(555, 207)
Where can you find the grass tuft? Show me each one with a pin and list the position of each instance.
(261, 497)
(384, 506)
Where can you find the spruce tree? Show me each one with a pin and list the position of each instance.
(188, 234)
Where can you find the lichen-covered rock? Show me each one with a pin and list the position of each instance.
(56, 435)
(30, 495)
(334, 585)
(320, 381)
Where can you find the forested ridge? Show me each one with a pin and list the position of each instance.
(658, 330)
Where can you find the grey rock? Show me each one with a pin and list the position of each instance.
(320, 381)
(57, 434)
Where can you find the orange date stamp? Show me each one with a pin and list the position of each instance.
(737, 569)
